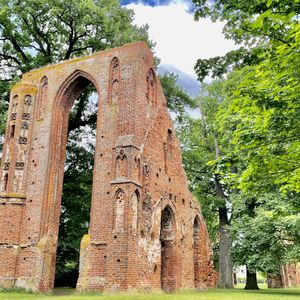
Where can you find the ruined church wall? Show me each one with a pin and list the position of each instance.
(137, 174)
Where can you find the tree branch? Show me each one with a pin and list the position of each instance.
(6, 56)
(77, 123)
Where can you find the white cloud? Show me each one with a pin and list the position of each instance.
(180, 41)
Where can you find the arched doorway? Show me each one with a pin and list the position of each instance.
(167, 240)
(196, 249)
(71, 172)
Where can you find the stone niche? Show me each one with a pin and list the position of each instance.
(146, 230)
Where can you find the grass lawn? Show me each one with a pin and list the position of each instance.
(216, 294)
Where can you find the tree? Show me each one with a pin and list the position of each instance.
(266, 114)
(258, 217)
(203, 155)
(39, 32)
(267, 117)
(177, 99)
(257, 26)
(265, 231)
(262, 107)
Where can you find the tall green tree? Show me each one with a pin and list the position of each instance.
(203, 152)
(265, 231)
(263, 109)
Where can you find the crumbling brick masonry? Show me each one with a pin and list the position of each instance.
(146, 231)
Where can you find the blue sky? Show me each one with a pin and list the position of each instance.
(151, 2)
(155, 3)
(180, 41)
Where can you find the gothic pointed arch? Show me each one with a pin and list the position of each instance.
(66, 95)
(168, 255)
(119, 210)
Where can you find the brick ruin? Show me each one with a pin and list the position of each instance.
(290, 275)
(146, 231)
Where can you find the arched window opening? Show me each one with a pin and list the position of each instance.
(151, 87)
(15, 104)
(120, 206)
(167, 236)
(78, 105)
(12, 130)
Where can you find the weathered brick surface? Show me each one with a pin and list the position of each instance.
(290, 275)
(146, 231)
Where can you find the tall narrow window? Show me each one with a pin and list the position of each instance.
(114, 80)
(168, 265)
(120, 206)
(43, 94)
(151, 88)
(12, 131)
(14, 109)
(5, 182)
(135, 205)
(15, 104)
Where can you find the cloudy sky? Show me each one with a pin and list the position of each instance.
(180, 41)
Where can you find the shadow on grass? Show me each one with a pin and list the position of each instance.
(63, 291)
(67, 291)
(282, 292)
(16, 290)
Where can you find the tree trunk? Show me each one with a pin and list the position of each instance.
(225, 280)
(251, 283)
(225, 262)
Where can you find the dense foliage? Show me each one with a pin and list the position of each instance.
(256, 25)
(259, 120)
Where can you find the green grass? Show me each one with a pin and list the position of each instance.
(216, 294)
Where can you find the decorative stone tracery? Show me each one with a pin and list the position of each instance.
(121, 164)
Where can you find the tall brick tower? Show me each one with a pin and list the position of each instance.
(146, 231)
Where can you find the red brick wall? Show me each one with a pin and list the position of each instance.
(290, 275)
(137, 174)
